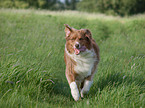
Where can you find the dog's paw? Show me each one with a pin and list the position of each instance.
(74, 91)
(75, 94)
(83, 92)
(86, 88)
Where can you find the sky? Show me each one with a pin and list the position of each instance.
(62, 1)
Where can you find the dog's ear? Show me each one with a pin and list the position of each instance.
(68, 30)
(88, 33)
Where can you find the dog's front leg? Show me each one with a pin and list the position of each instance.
(74, 91)
(86, 87)
(73, 86)
(88, 81)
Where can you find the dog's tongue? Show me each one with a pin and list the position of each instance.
(77, 51)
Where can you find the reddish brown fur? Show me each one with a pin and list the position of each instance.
(84, 37)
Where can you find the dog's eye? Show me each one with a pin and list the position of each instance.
(87, 38)
(80, 38)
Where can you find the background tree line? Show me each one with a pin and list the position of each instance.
(114, 7)
(41, 4)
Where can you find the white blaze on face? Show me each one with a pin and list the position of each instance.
(76, 49)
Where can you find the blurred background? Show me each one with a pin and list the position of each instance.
(109, 7)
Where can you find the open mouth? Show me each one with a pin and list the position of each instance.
(79, 50)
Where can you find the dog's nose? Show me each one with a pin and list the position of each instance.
(77, 45)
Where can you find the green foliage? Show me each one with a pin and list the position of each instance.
(32, 69)
(70, 4)
(113, 7)
(21, 4)
(42, 4)
(32, 3)
(14, 4)
(7, 4)
(86, 5)
(116, 7)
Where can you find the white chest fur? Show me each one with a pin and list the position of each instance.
(84, 63)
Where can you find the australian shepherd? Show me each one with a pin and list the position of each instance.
(81, 58)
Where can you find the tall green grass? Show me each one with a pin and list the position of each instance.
(32, 69)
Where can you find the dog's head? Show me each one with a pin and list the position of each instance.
(77, 41)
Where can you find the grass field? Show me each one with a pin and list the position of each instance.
(32, 69)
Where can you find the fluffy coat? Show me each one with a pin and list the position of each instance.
(81, 58)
